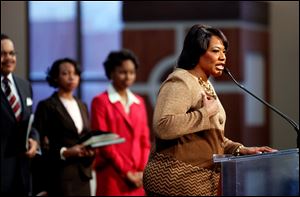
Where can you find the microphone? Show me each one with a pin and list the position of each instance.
(293, 123)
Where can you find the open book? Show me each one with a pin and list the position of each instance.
(98, 138)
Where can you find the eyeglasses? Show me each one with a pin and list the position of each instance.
(11, 53)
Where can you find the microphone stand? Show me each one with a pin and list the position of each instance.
(293, 123)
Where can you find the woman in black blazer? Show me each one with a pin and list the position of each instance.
(62, 119)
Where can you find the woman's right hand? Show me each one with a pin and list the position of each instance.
(78, 150)
(210, 104)
(136, 178)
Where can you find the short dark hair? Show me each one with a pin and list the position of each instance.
(53, 72)
(196, 44)
(115, 59)
(4, 37)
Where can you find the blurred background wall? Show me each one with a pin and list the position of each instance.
(275, 36)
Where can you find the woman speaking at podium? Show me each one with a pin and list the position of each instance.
(189, 121)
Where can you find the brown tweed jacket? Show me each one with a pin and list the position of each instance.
(182, 127)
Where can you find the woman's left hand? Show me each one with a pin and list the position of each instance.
(89, 152)
(256, 150)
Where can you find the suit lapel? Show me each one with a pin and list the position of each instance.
(65, 116)
(121, 110)
(83, 113)
(22, 95)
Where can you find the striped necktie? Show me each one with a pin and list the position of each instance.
(12, 99)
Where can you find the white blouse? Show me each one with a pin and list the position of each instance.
(74, 111)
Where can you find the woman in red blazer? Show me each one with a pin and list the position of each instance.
(119, 167)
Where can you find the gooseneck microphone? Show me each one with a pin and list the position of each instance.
(293, 123)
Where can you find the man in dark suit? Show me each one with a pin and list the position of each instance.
(17, 146)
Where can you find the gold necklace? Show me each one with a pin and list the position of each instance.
(207, 88)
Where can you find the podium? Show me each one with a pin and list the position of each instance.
(266, 174)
